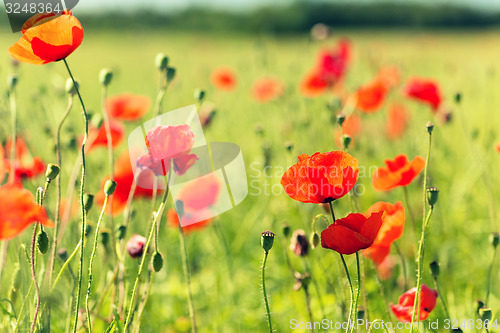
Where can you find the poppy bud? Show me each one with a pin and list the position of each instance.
(16, 283)
(346, 140)
(267, 152)
(267, 240)
(104, 236)
(88, 229)
(199, 95)
(63, 254)
(361, 313)
(429, 126)
(485, 313)
(105, 76)
(161, 61)
(12, 81)
(334, 104)
(458, 97)
(494, 239)
(315, 240)
(289, 145)
(432, 196)
(170, 74)
(258, 129)
(299, 244)
(43, 242)
(434, 268)
(52, 171)
(135, 246)
(456, 330)
(340, 118)
(97, 120)
(120, 232)
(70, 87)
(285, 228)
(157, 261)
(479, 305)
(39, 194)
(88, 201)
(109, 187)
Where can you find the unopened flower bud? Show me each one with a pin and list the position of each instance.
(62, 253)
(88, 229)
(434, 269)
(267, 240)
(43, 242)
(157, 261)
(485, 313)
(459, 330)
(135, 246)
(340, 118)
(199, 95)
(105, 76)
(494, 239)
(285, 228)
(432, 196)
(361, 313)
(479, 305)
(315, 240)
(109, 187)
(299, 244)
(289, 145)
(161, 61)
(170, 74)
(104, 236)
(346, 141)
(52, 171)
(458, 97)
(70, 87)
(88, 201)
(120, 232)
(429, 126)
(12, 81)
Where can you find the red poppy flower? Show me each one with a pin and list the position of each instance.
(98, 137)
(124, 177)
(497, 147)
(191, 224)
(424, 90)
(127, 106)
(26, 166)
(371, 96)
(404, 309)
(166, 143)
(399, 172)
(314, 84)
(321, 178)
(393, 222)
(48, 37)
(352, 233)
(267, 89)
(224, 79)
(3, 169)
(18, 210)
(397, 121)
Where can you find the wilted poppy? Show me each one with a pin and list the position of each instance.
(370, 97)
(321, 178)
(404, 309)
(352, 233)
(48, 37)
(224, 79)
(18, 210)
(135, 245)
(127, 106)
(97, 136)
(267, 89)
(397, 121)
(393, 222)
(424, 90)
(166, 144)
(26, 166)
(398, 172)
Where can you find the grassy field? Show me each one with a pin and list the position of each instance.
(225, 257)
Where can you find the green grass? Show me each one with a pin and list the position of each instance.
(227, 295)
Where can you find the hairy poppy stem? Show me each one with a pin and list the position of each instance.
(355, 307)
(82, 189)
(92, 256)
(33, 273)
(263, 276)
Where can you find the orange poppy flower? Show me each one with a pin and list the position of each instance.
(393, 222)
(390, 75)
(18, 210)
(397, 121)
(404, 309)
(321, 178)
(224, 79)
(98, 137)
(313, 85)
(398, 172)
(351, 126)
(46, 39)
(3, 169)
(267, 89)
(371, 96)
(127, 106)
(26, 166)
(352, 233)
(190, 224)
(424, 90)
(497, 147)
(124, 177)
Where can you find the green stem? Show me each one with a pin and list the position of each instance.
(187, 275)
(352, 292)
(92, 256)
(355, 307)
(488, 285)
(82, 189)
(436, 283)
(308, 306)
(268, 312)
(65, 265)
(13, 110)
(33, 273)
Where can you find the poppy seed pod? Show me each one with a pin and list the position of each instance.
(105, 76)
(120, 232)
(458, 97)
(43, 242)
(170, 74)
(429, 126)
(52, 171)
(494, 239)
(299, 244)
(285, 228)
(315, 240)
(88, 201)
(361, 313)
(435, 269)
(104, 236)
(70, 87)
(485, 313)
(340, 118)
(267, 240)
(161, 61)
(12, 81)
(346, 141)
(199, 95)
(157, 261)
(109, 187)
(432, 196)
(135, 246)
